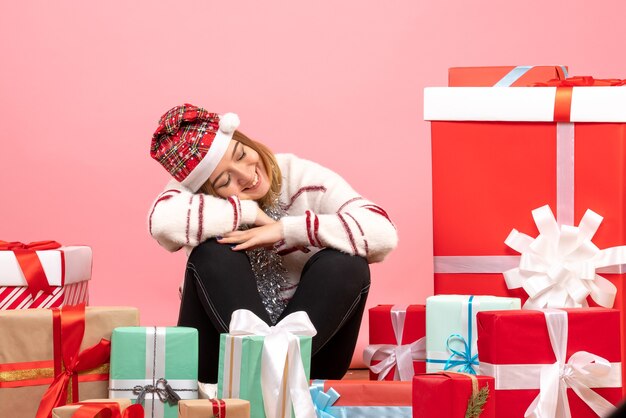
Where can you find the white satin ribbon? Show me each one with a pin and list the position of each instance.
(399, 355)
(581, 371)
(558, 268)
(283, 379)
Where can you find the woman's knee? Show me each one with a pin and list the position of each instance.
(340, 266)
(211, 257)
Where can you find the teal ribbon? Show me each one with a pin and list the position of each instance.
(322, 401)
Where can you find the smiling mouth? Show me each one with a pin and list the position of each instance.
(255, 182)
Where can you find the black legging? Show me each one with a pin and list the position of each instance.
(332, 291)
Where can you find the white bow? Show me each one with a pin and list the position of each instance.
(283, 379)
(582, 370)
(392, 355)
(558, 268)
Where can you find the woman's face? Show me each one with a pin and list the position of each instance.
(240, 172)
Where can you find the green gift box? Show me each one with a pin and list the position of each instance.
(451, 332)
(240, 368)
(149, 363)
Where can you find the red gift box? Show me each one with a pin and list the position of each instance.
(517, 348)
(498, 154)
(361, 398)
(43, 274)
(446, 395)
(392, 330)
(504, 76)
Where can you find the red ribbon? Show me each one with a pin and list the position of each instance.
(29, 263)
(564, 90)
(107, 410)
(68, 330)
(219, 408)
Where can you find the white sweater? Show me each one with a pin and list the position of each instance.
(322, 210)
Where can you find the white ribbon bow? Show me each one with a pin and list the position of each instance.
(582, 370)
(283, 379)
(558, 268)
(392, 355)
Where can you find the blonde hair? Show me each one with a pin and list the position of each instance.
(271, 167)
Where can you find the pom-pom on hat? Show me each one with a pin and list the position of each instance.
(190, 142)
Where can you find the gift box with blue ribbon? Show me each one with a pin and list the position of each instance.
(451, 329)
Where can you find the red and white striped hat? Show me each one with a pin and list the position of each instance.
(190, 142)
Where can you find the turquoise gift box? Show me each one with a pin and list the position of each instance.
(154, 366)
(451, 332)
(239, 374)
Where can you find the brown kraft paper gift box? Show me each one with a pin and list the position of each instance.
(205, 408)
(27, 356)
(67, 411)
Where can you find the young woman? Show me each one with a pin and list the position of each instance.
(274, 234)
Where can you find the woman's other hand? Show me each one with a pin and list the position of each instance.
(261, 236)
(262, 218)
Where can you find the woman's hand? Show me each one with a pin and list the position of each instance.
(262, 218)
(261, 236)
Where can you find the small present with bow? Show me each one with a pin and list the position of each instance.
(397, 336)
(155, 367)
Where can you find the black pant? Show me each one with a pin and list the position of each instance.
(332, 291)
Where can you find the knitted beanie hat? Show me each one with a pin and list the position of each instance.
(190, 142)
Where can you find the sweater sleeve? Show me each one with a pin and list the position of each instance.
(335, 215)
(180, 218)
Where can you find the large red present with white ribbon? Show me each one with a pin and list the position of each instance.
(500, 153)
(553, 362)
(397, 336)
(43, 274)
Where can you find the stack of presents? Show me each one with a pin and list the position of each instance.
(529, 245)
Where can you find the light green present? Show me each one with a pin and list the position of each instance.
(451, 332)
(149, 363)
(241, 360)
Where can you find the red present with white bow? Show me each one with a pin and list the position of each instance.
(397, 336)
(499, 153)
(43, 274)
(557, 363)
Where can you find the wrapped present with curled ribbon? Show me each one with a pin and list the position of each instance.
(155, 367)
(214, 408)
(268, 365)
(557, 363)
(451, 332)
(397, 348)
(504, 76)
(361, 398)
(43, 274)
(50, 357)
(499, 153)
(99, 408)
(453, 395)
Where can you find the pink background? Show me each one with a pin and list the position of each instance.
(82, 85)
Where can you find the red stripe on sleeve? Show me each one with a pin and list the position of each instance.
(354, 199)
(367, 250)
(316, 226)
(200, 217)
(188, 219)
(235, 214)
(349, 232)
(160, 199)
(308, 228)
